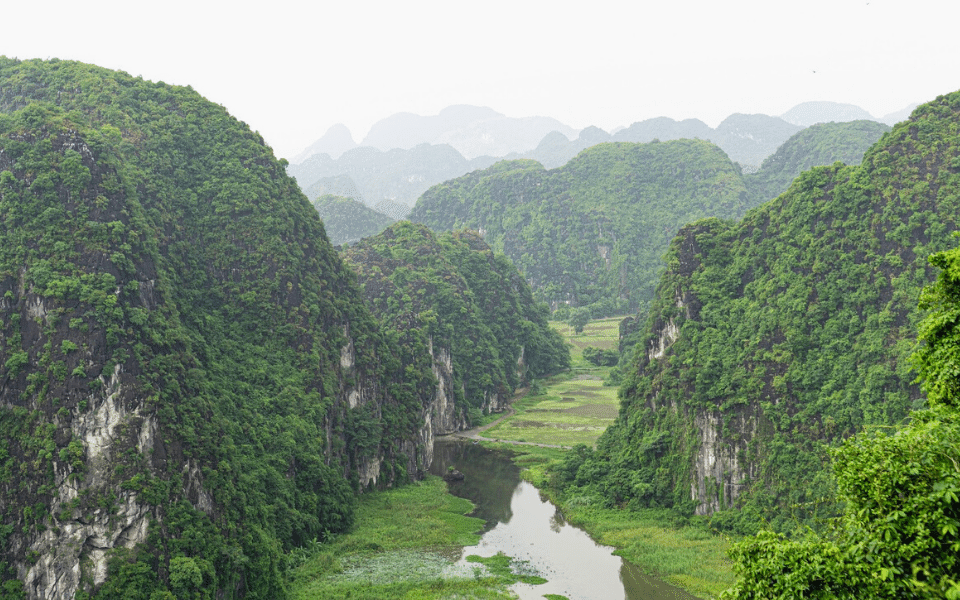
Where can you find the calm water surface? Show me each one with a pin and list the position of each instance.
(522, 525)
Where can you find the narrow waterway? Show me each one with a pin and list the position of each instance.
(522, 525)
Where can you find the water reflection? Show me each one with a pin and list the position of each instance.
(521, 524)
(489, 479)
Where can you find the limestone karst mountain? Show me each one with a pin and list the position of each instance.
(190, 381)
(592, 231)
(775, 337)
(398, 175)
(806, 114)
(334, 142)
(817, 145)
(472, 309)
(473, 131)
(347, 221)
(747, 139)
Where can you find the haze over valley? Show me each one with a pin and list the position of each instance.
(388, 300)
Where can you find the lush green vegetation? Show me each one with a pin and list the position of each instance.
(821, 144)
(451, 292)
(404, 545)
(663, 542)
(899, 533)
(591, 232)
(346, 220)
(783, 335)
(158, 266)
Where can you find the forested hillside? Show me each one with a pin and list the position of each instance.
(818, 145)
(594, 230)
(346, 220)
(449, 299)
(190, 380)
(899, 531)
(776, 337)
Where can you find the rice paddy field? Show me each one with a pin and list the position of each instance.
(572, 408)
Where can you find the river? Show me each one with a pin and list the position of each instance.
(522, 525)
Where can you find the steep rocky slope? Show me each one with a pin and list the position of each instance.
(190, 382)
(451, 298)
(773, 338)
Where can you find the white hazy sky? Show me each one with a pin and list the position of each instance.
(291, 70)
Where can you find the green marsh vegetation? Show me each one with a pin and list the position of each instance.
(404, 545)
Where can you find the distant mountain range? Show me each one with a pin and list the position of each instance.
(404, 155)
(472, 130)
(811, 113)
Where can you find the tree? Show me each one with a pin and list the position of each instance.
(899, 535)
(937, 360)
(579, 317)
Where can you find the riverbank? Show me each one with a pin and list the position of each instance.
(407, 540)
(405, 544)
(680, 551)
(575, 408)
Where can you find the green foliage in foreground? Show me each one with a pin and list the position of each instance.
(899, 534)
(784, 334)
(347, 220)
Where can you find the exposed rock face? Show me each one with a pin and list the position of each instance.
(94, 416)
(187, 369)
(445, 416)
(73, 538)
(718, 474)
(718, 442)
(668, 334)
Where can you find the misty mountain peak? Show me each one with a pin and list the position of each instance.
(334, 142)
(811, 113)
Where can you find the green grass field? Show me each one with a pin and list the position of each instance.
(574, 408)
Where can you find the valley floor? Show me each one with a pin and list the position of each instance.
(406, 540)
(575, 408)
